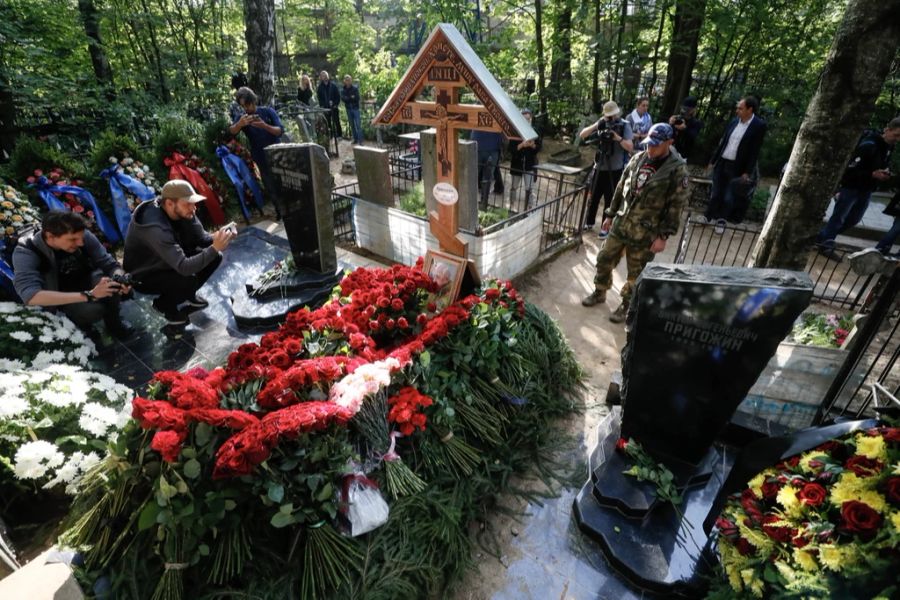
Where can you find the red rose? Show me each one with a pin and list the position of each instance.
(389, 324)
(293, 346)
(779, 533)
(383, 302)
(421, 319)
(492, 293)
(892, 490)
(744, 547)
(800, 541)
(397, 304)
(770, 489)
(812, 494)
(860, 518)
(279, 359)
(432, 307)
(402, 323)
(168, 444)
(892, 435)
(621, 444)
(862, 466)
(726, 527)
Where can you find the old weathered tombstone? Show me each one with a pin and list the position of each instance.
(374, 173)
(699, 337)
(467, 186)
(303, 195)
(448, 64)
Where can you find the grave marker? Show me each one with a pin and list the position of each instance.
(448, 63)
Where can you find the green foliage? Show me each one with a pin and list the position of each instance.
(31, 154)
(413, 201)
(826, 331)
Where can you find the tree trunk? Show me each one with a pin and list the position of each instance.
(683, 53)
(259, 23)
(561, 69)
(8, 129)
(541, 61)
(617, 60)
(157, 55)
(595, 82)
(663, 13)
(91, 21)
(859, 60)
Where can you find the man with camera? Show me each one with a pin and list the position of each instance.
(170, 255)
(687, 127)
(644, 212)
(867, 168)
(63, 266)
(613, 138)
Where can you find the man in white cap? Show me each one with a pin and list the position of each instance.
(169, 254)
(613, 138)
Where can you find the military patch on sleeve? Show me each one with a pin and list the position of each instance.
(684, 181)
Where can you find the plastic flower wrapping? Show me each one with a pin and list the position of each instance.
(824, 523)
(15, 210)
(55, 423)
(33, 338)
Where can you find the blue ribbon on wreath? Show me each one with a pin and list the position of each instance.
(119, 183)
(46, 190)
(240, 175)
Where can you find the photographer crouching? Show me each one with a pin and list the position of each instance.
(64, 267)
(613, 137)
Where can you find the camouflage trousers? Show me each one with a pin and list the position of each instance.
(636, 257)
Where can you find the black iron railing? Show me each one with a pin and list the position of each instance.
(731, 245)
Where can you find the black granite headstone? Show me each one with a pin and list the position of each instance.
(699, 337)
(303, 195)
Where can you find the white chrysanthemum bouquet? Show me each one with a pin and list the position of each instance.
(34, 338)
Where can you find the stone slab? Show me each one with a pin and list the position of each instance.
(699, 337)
(374, 173)
(40, 580)
(467, 186)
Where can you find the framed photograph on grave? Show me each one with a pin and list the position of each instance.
(448, 271)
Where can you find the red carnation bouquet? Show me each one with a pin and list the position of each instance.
(825, 523)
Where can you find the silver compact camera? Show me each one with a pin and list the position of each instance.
(231, 228)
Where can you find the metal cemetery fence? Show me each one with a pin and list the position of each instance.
(560, 202)
(835, 282)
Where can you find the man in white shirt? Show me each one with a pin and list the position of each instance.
(734, 165)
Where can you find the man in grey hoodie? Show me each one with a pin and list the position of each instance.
(169, 254)
(63, 266)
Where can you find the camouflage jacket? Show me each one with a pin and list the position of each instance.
(639, 217)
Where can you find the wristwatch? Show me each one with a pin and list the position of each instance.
(89, 295)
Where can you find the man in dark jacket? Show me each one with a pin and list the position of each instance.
(868, 166)
(734, 165)
(329, 97)
(63, 266)
(523, 157)
(350, 98)
(169, 254)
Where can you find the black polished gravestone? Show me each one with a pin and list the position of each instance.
(698, 338)
(303, 195)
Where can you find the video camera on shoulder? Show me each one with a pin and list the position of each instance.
(604, 137)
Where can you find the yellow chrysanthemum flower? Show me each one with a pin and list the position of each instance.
(756, 483)
(787, 497)
(747, 576)
(852, 487)
(895, 520)
(806, 560)
(813, 455)
(871, 446)
(837, 557)
(734, 577)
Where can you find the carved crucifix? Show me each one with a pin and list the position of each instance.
(449, 64)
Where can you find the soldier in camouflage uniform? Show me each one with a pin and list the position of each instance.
(644, 212)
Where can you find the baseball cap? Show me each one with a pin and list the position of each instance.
(526, 110)
(689, 102)
(611, 109)
(659, 133)
(179, 189)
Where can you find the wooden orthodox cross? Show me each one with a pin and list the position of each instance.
(447, 63)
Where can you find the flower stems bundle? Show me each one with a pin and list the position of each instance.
(400, 479)
(232, 550)
(371, 422)
(171, 584)
(453, 453)
(328, 559)
(476, 413)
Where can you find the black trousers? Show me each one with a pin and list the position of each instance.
(334, 121)
(85, 314)
(173, 288)
(603, 186)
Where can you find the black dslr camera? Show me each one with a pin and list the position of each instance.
(604, 137)
(123, 279)
(678, 120)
